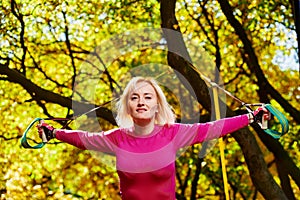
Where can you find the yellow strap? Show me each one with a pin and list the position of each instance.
(221, 144)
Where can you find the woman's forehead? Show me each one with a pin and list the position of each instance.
(143, 87)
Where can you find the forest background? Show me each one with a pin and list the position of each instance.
(46, 45)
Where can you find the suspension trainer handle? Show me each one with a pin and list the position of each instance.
(264, 124)
(26, 145)
(24, 142)
(282, 120)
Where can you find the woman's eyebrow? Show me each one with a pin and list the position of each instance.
(134, 94)
(144, 94)
(148, 93)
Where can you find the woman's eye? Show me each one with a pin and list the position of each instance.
(133, 98)
(148, 97)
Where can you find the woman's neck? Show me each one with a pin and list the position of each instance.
(143, 129)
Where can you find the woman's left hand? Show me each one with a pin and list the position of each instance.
(259, 115)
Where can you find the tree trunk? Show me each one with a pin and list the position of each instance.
(259, 173)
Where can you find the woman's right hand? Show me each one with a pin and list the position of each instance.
(46, 132)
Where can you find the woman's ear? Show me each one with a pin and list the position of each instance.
(157, 106)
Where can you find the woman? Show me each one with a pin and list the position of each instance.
(147, 140)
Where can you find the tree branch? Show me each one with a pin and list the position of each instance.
(253, 63)
(40, 94)
(19, 16)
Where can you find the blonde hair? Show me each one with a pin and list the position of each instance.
(164, 115)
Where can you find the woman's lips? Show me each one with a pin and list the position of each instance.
(141, 109)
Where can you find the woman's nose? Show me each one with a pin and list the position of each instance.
(141, 101)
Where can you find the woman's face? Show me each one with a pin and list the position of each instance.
(142, 102)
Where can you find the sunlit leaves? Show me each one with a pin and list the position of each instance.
(59, 171)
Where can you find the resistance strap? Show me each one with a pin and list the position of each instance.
(276, 113)
(24, 141)
(275, 134)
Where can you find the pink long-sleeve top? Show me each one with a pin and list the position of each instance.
(146, 165)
